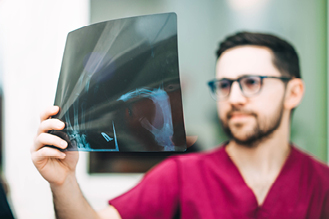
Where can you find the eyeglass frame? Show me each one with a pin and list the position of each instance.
(231, 81)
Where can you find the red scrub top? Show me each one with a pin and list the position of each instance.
(209, 185)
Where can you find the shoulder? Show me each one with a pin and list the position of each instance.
(318, 169)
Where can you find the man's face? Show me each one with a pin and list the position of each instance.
(250, 119)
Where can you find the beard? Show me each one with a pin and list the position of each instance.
(262, 129)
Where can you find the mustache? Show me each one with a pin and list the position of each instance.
(240, 111)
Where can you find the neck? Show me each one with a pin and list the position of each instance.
(266, 156)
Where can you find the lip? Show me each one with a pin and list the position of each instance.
(239, 116)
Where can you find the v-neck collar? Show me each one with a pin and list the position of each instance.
(274, 191)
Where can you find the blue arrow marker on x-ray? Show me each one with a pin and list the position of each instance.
(107, 138)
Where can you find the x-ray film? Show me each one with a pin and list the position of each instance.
(119, 87)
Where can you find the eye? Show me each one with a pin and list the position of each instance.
(251, 81)
(224, 84)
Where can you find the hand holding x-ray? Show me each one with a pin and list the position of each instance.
(54, 165)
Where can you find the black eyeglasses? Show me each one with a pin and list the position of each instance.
(250, 85)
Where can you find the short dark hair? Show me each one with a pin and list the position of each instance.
(285, 58)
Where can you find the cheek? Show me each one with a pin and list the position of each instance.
(271, 96)
(266, 107)
(273, 91)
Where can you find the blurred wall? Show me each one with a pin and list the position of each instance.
(33, 37)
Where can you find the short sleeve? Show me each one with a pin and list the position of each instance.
(156, 196)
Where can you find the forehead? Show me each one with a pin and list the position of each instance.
(246, 60)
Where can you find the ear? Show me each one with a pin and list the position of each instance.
(294, 93)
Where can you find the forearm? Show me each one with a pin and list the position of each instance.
(69, 202)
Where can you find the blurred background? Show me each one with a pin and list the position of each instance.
(32, 40)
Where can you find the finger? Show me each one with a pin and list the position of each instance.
(50, 124)
(190, 140)
(48, 139)
(49, 112)
(47, 152)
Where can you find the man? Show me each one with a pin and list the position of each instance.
(257, 174)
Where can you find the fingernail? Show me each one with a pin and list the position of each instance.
(64, 143)
(63, 154)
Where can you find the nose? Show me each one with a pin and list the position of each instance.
(236, 96)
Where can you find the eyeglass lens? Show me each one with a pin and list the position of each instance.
(249, 86)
